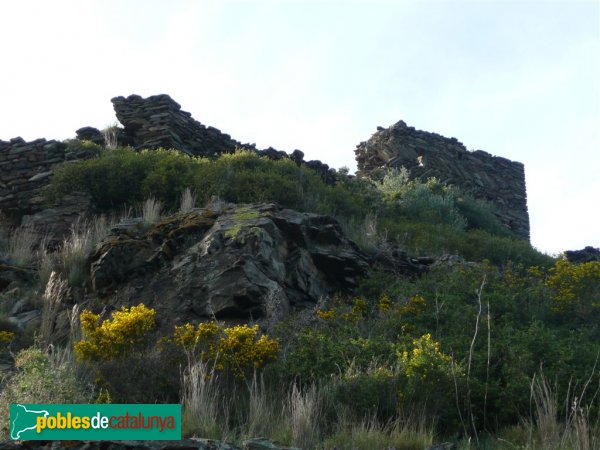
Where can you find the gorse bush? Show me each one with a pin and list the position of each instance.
(425, 362)
(120, 351)
(575, 288)
(112, 338)
(237, 349)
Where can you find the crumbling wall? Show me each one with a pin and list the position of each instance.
(492, 178)
(24, 169)
(158, 121)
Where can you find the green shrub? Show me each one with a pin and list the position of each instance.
(42, 378)
(436, 203)
(126, 176)
(423, 204)
(423, 238)
(374, 392)
(479, 215)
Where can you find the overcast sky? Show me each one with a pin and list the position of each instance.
(517, 79)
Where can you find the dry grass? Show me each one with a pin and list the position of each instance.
(21, 245)
(110, 136)
(151, 211)
(369, 434)
(54, 294)
(188, 200)
(291, 414)
(547, 430)
(70, 260)
(305, 414)
(205, 413)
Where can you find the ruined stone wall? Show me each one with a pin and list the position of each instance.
(492, 178)
(158, 121)
(24, 169)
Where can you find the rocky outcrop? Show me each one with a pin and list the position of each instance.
(25, 169)
(158, 121)
(588, 254)
(11, 276)
(491, 178)
(392, 258)
(55, 223)
(254, 261)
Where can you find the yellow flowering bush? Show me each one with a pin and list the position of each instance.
(415, 305)
(203, 339)
(425, 361)
(326, 314)
(113, 337)
(237, 348)
(574, 285)
(385, 304)
(358, 310)
(6, 337)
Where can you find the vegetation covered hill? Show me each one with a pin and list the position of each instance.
(494, 346)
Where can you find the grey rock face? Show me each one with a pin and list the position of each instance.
(491, 178)
(245, 261)
(55, 223)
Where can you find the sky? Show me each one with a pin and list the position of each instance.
(518, 79)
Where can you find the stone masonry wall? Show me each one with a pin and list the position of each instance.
(492, 178)
(158, 121)
(24, 169)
